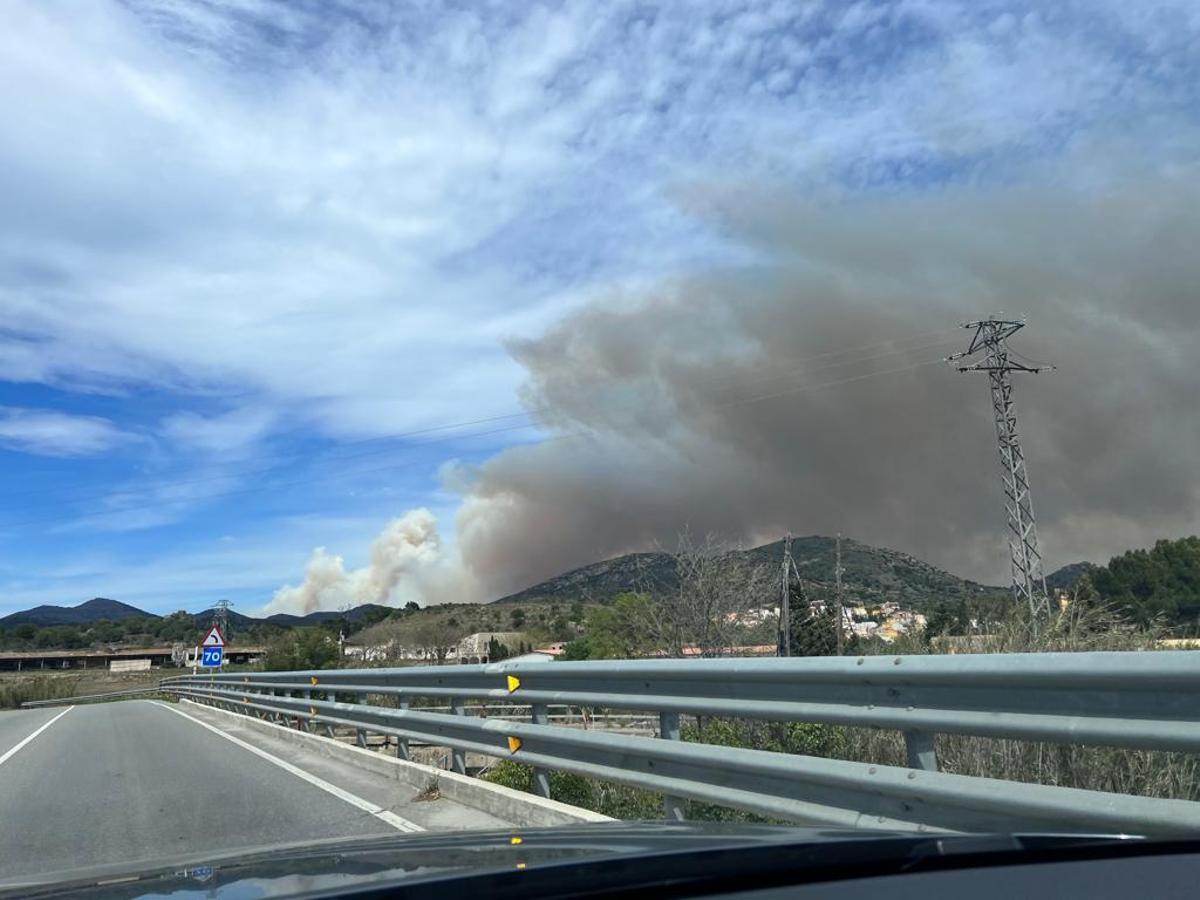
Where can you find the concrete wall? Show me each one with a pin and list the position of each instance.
(129, 665)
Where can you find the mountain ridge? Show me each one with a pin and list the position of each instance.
(89, 611)
(870, 573)
(102, 608)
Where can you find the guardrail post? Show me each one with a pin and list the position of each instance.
(458, 758)
(360, 734)
(668, 729)
(919, 751)
(401, 742)
(541, 778)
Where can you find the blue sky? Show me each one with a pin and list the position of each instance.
(246, 247)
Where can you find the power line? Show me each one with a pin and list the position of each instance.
(789, 391)
(272, 463)
(782, 375)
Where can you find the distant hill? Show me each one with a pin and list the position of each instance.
(355, 614)
(91, 611)
(102, 608)
(870, 574)
(205, 617)
(602, 580)
(1068, 576)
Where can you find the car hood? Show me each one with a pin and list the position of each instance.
(347, 866)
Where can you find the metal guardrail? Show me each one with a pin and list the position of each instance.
(88, 698)
(1142, 700)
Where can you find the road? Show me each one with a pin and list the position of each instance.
(141, 780)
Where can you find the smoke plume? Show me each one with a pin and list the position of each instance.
(803, 392)
(406, 563)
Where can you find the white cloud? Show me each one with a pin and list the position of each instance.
(334, 221)
(356, 206)
(50, 433)
(230, 435)
(193, 575)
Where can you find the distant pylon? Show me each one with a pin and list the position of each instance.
(991, 338)
(221, 617)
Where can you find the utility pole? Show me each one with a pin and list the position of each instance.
(991, 337)
(785, 612)
(837, 574)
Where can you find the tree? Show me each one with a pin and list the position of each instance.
(707, 607)
(178, 626)
(517, 618)
(579, 649)
(412, 606)
(1163, 581)
(431, 634)
(948, 617)
(618, 631)
(302, 648)
(815, 633)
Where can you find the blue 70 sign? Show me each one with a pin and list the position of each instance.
(212, 657)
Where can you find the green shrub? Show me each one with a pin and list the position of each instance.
(604, 797)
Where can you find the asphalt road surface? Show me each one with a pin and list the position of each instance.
(142, 781)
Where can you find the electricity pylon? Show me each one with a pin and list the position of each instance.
(221, 617)
(991, 338)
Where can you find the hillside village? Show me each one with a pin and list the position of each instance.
(382, 645)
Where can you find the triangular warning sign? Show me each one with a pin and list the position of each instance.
(214, 638)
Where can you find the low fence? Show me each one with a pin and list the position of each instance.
(1142, 700)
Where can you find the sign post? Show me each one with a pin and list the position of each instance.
(212, 649)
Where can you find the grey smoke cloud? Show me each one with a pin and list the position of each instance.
(661, 385)
(806, 392)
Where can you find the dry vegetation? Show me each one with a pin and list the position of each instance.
(450, 623)
(1085, 626)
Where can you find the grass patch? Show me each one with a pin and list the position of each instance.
(16, 691)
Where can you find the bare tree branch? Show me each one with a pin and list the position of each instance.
(707, 607)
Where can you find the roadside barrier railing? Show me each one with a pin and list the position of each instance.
(1135, 700)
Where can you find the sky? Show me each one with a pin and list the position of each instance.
(311, 304)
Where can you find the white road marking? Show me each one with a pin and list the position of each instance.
(12, 751)
(400, 824)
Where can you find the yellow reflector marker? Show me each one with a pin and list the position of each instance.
(515, 839)
(520, 865)
(312, 678)
(513, 683)
(514, 744)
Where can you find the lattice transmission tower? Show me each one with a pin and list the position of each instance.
(221, 616)
(991, 339)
